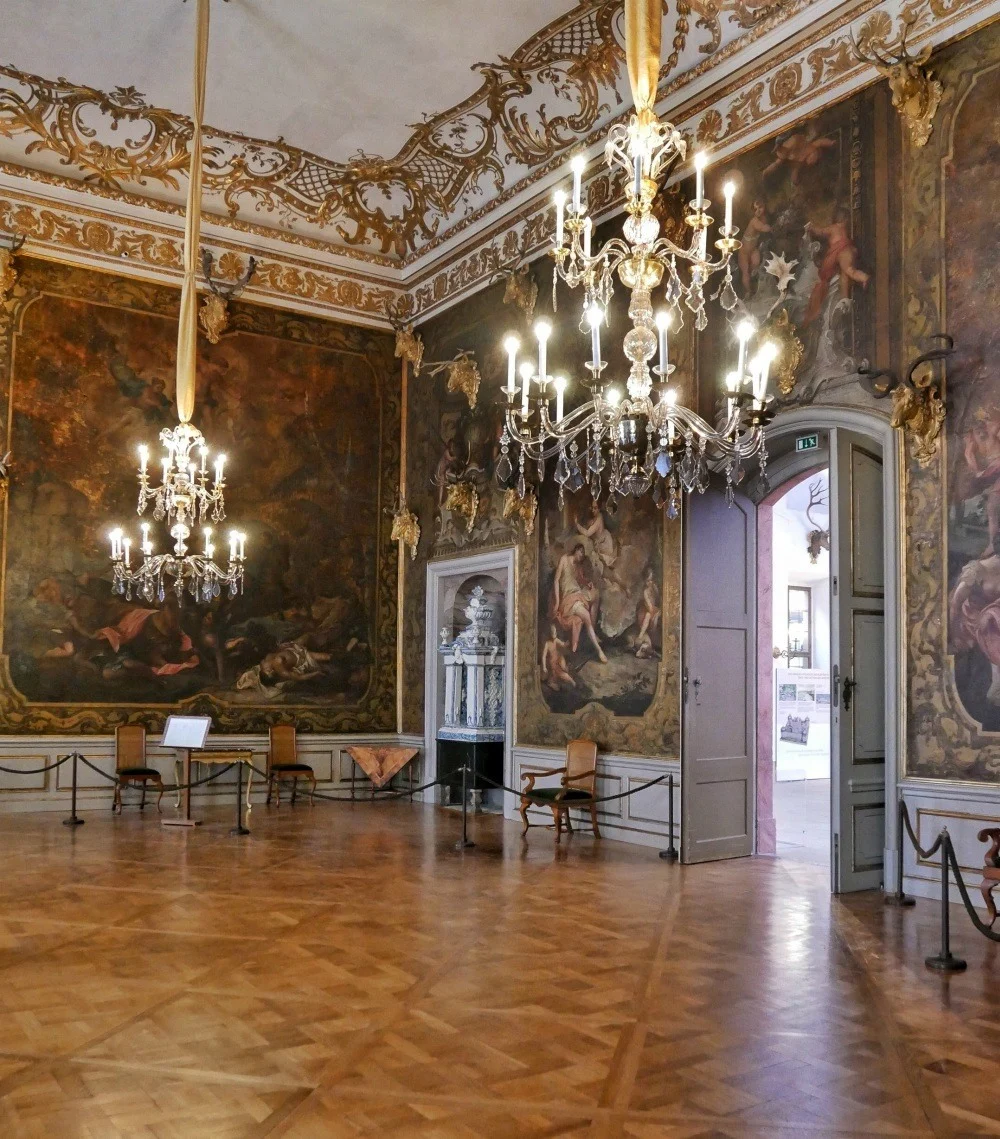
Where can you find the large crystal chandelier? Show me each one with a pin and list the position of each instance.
(188, 495)
(638, 438)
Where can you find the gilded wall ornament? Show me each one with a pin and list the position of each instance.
(463, 499)
(522, 509)
(918, 406)
(463, 375)
(409, 345)
(9, 245)
(915, 92)
(213, 316)
(405, 527)
(520, 288)
(232, 280)
(781, 331)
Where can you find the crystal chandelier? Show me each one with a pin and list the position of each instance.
(187, 496)
(639, 438)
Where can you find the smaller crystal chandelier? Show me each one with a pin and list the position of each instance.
(636, 437)
(186, 497)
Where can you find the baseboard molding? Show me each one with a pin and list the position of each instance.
(965, 809)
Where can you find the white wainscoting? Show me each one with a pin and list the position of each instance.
(964, 809)
(50, 791)
(640, 818)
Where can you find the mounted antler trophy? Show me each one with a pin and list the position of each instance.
(409, 345)
(915, 92)
(521, 289)
(817, 539)
(214, 313)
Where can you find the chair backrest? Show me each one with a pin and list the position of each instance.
(581, 764)
(282, 748)
(130, 746)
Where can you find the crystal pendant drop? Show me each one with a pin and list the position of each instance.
(663, 463)
(504, 468)
(728, 298)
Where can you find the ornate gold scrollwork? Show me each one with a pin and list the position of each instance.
(524, 509)
(463, 375)
(918, 406)
(915, 92)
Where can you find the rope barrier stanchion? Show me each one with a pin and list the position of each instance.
(670, 854)
(465, 843)
(945, 961)
(74, 819)
(899, 897)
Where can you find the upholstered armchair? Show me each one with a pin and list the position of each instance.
(283, 763)
(130, 765)
(576, 787)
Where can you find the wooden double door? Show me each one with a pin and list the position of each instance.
(719, 705)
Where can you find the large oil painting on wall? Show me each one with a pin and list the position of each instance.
(806, 267)
(953, 586)
(306, 412)
(600, 604)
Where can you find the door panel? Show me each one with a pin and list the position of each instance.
(857, 629)
(718, 725)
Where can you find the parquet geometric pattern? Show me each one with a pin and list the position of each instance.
(344, 973)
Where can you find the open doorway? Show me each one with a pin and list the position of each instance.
(800, 667)
(849, 647)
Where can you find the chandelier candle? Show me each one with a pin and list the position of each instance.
(578, 165)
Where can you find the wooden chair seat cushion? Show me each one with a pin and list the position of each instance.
(563, 794)
(292, 767)
(138, 772)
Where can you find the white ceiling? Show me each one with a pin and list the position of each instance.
(329, 76)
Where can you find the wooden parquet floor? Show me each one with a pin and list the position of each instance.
(345, 973)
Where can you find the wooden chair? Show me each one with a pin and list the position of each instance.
(282, 763)
(576, 788)
(991, 869)
(130, 765)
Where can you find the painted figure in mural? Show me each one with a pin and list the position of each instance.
(749, 255)
(982, 458)
(839, 260)
(601, 538)
(647, 617)
(974, 612)
(799, 151)
(555, 667)
(576, 600)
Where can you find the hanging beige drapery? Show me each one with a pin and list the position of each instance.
(643, 21)
(187, 331)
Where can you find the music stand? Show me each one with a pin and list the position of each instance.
(185, 733)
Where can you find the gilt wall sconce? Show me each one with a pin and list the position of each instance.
(918, 405)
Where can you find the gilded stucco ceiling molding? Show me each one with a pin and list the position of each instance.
(774, 93)
(138, 249)
(387, 209)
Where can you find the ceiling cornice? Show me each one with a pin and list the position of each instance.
(729, 101)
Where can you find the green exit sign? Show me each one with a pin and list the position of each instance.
(807, 443)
